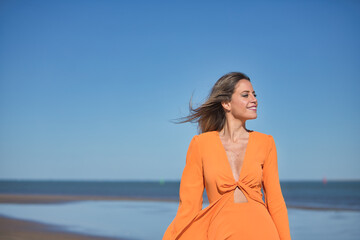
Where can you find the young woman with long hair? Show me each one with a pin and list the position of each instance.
(233, 164)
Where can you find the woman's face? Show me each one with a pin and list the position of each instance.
(243, 104)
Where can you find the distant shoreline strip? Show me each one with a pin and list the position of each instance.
(48, 198)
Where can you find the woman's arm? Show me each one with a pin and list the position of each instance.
(273, 195)
(191, 191)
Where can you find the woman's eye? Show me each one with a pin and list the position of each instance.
(248, 95)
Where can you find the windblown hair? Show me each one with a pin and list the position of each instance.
(210, 116)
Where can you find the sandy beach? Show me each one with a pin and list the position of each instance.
(15, 229)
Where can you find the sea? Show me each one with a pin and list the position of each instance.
(316, 209)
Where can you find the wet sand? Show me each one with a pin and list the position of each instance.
(14, 229)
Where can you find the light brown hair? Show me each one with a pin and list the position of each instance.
(210, 116)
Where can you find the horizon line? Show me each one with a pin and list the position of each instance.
(155, 180)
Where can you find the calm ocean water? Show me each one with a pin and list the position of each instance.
(307, 194)
(125, 218)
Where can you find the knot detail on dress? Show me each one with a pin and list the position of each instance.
(248, 189)
(227, 187)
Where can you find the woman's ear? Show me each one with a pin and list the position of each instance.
(226, 105)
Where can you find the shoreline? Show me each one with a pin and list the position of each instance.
(17, 229)
(51, 199)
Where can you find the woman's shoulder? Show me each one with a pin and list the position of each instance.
(206, 136)
(261, 134)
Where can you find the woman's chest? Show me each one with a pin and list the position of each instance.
(217, 167)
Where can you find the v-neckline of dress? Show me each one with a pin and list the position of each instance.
(226, 157)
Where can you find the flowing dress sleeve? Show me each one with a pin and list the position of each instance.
(190, 193)
(273, 196)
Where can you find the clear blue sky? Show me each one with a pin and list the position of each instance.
(88, 88)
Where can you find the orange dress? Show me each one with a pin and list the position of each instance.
(207, 167)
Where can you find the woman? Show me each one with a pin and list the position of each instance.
(233, 164)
